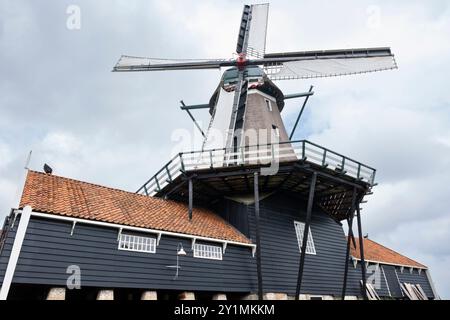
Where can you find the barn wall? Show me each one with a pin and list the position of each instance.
(48, 250)
(6, 238)
(377, 277)
(324, 272)
(415, 278)
(393, 281)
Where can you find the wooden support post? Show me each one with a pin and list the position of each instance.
(361, 252)
(258, 239)
(191, 199)
(305, 234)
(350, 236)
(301, 112)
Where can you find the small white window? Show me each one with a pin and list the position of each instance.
(269, 105)
(207, 251)
(299, 230)
(136, 243)
(276, 131)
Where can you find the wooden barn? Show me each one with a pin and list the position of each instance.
(125, 245)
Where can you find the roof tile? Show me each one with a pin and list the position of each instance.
(67, 197)
(374, 251)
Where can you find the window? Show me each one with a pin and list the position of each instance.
(136, 243)
(207, 251)
(276, 131)
(268, 104)
(299, 229)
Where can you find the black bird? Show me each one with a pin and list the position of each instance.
(47, 169)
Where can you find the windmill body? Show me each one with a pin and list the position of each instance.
(258, 119)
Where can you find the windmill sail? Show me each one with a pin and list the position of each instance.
(130, 63)
(256, 45)
(306, 69)
(251, 42)
(241, 46)
(330, 63)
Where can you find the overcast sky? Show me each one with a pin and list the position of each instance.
(59, 98)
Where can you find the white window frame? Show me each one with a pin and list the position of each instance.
(269, 104)
(206, 251)
(131, 242)
(276, 131)
(299, 229)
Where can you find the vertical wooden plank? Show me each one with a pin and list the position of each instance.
(258, 238)
(305, 234)
(350, 236)
(361, 252)
(191, 198)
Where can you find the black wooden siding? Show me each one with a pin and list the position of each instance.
(323, 274)
(415, 278)
(377, 277)
(324, 271)
(393, 281)
(48, 250)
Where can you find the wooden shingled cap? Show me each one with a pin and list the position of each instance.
(374, 251)
(67, 197)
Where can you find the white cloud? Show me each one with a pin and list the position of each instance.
(5, 155)
(61, 144)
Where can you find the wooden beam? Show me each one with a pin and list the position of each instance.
(227, 184)
(305, 234)
(361, 252)
(258, 239)
(211, 187)
(350, 235)
(238, 172)
(284, 180)
(247, 183)
(331, 177)
(191, 198)
(266, 181)
(301, 112)
(297, 184)
(180, 185)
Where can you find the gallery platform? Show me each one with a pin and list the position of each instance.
(283, 166)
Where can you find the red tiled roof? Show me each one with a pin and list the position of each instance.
(374, 251)
(72, 198)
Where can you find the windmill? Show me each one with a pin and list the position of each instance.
(247, 101)
(246, 98)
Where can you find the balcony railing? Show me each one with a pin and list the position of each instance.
(257, 155)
